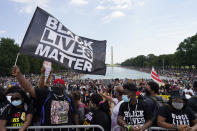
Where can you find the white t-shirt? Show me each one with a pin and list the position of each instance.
(114, 115)
(188, 91)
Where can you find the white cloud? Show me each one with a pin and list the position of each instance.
(3, 31)
(121, 4)
(113, 15)
(125, 3)
(140, 3)
(79, 2)
(117, 14)
(100, 7)
(28, 6)
(21, 1)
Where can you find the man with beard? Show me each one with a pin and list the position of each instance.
(134, 115)
(152, 99)
(57, 107)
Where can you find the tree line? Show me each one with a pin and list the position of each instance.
(185, 56)
(27, 64)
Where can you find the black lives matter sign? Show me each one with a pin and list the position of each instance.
(49, 39)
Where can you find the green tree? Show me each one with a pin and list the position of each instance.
(8, 52)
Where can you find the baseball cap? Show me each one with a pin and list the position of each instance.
(178, 94)
(58, 82)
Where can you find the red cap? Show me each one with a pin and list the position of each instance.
(59, 81)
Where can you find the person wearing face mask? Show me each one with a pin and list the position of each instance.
(57, 107)
(134, 115)
(20, 111)
(176, 115)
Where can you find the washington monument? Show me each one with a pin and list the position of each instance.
(112, 57)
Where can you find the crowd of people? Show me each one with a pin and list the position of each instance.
(133, 105)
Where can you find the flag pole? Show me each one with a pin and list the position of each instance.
(163, 66)
(16, 59)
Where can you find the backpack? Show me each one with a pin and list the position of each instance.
(159, 101)
(46, 100)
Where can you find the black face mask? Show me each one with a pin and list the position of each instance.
(58, 90)
(147, 92)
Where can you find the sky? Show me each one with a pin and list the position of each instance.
(132, 27)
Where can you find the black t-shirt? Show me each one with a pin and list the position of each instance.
(98, 117)
(154, 103)
(3, 107)
(56, 111)
(136, 114)
(177, 117)
(192, 103)
(16, 116)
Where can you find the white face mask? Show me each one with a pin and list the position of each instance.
(177, 105)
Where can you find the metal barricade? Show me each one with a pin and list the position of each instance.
(61, 128)
(149, 129)
(117, 127)
(159, 129)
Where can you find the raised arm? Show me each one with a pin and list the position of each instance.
(109, 98)
(23, 82)
(42, 77)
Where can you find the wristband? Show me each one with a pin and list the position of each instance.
(128, 127)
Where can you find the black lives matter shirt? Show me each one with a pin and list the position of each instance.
(177, 117)
(136, 114)
(57, 111)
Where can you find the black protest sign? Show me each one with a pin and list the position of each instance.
(49, 39)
